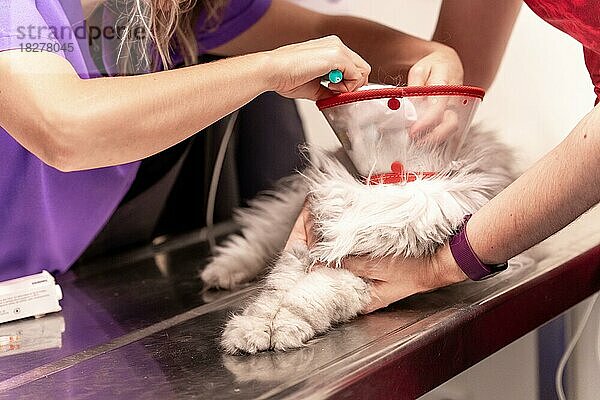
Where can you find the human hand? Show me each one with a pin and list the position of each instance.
(391, 278)
(440, 67)
(394, 278)
(297, 69)
(302, 230)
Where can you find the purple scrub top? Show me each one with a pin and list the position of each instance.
(48, 217)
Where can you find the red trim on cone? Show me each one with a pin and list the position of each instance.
(404, 91)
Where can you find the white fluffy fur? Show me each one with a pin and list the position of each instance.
(351, 218)
(410, 219)
(265, 225)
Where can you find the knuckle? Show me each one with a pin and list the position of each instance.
(333, 39)
(453, 52)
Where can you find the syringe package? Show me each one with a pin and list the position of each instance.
(29, 296)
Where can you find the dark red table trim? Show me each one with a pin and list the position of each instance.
(484, 330)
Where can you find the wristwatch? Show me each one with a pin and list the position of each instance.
(466, 258)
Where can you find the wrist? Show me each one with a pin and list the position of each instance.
(484, 254)
(446, 270)
(430, 47)
(274, 68)
(264, 71)
(467, 260)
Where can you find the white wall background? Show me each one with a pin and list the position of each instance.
(542, 90)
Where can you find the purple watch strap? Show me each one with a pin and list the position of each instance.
(465, 257)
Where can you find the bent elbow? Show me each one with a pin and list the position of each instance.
(57, 153)
(59, 157)
(62, 147)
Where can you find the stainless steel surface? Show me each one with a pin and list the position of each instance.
(141, 326)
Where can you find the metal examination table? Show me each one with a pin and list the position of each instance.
(139, 325)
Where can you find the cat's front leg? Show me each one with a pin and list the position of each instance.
(321, 299)
(250, 331)
(295, 306)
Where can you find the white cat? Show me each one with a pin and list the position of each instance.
(296, 302)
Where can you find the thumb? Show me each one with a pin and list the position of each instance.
(359, 265)
(321, 91)
(312, 90)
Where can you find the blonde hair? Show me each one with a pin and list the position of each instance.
(166, 25)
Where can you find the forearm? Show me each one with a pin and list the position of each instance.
(551, 194)
(130, 118)
(74, 124)
(110, 121)
(479, 31)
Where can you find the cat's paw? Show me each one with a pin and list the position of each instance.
(251, 334)
(226, 274)
(289, 331)
(246, 334)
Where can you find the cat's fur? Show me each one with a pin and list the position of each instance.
(351, 218)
